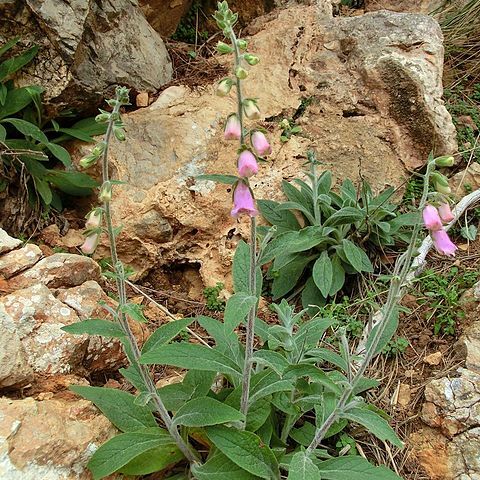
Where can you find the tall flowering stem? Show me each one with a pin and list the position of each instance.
(400, 274)
(114, 126)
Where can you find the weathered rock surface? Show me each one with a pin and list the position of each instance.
(452, 408)
(165, 15)
(412, 6)
(85, 47)
(50, 439)
(7, 243)
(18, 260)
(366, 92)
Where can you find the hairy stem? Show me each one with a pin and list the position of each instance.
(134, 350)
(402, 269)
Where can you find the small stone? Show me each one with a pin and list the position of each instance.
(8, 243)
(404, 395)
(433, 359)
(18, 260)
(142, 99)
(467, 121)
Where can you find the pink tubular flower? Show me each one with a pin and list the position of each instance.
(251, 109)
(90, 244)
(260, 143)
(247, 164)
(94, 219)
(442, 242)
(431, 219)
(232, 128)
(243, 201)
(445, 213)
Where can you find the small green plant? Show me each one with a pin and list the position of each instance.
(346, 445)
(30, 144)
(187, 30)
(329, 236)
(289, 128)
(211, 296)
(442, 293)
(396, 346)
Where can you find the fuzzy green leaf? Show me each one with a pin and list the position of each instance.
(357, 258)
(220, 467)
(95, 326)
(165, 333)
(302, 468)
(323, 273)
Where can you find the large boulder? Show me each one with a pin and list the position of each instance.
(50, 439)
(85, 48)
(366, 92)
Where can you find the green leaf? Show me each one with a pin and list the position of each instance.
(134, 311)
(338, 275)
(28, 129)
(262, 391)
(246, 450)
(17, 99)
(314, 373)
(3, 133)
(287, 277)
(310, 333)
(44, 190)
(390, 329)
(165, 333)
(118, 406)
(283, 219)
(297, 196)
(74, 183)
(345, 216)
(95, 326)
(120, 450)
(312, 298)
(60, 153)
(237, 308)
(323, 273)
(276, 361)
(302, 468)
(469, 233)
(16, 63)
(226, 179)
(356, 257)
(189, 355)
(219, 467)
(8, 45)
(3, 93)
(241, 270)
(324, 183)
(355, 467)
(204, 411)
(374, 423)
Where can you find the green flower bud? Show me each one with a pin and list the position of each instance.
(224, 86)
(242, 44)
(440, 182)
(98, 149)
(106, 192)
(250, 109)
(445, 161)
(223, 48)
(88, 161)
(241, 73)
(251, 59)
(119, 134)
(102, 117)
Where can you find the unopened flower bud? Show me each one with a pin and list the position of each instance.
(445, 161)
(233, 129)
(260, 143)
(440, 183)
(241, 73)
(88, 161)
(445, 213)
(98, 149)
(247, 164)
(105, 192)
(223, 48)
(224, 86)
(250, 108)
(102, 117)
(251, 59)
(242, 44)
(90, 244)
(119, 134)
(94, 219)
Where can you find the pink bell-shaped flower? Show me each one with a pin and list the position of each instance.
(243, 201)
(233, 128)
(251, 109)
(247, 164)
(442, 242)
(260, 143)
(90, 244)
(431, 218)
(445, 213)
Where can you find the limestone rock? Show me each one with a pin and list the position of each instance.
(18, 260)
(7, 243)
(165, 15)
(85, 47)
(37, 317)
(50, 439)
(59, 270)
(410, 6)
(433, 359)
(466, 179)
(334, 76)
(471, 342)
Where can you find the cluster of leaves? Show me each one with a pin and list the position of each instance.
(465, 103)
(290, 397)
(214, 303)
(328, 235)
(289, 128)
(442, 293)
(395, 347)
(31, 144)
